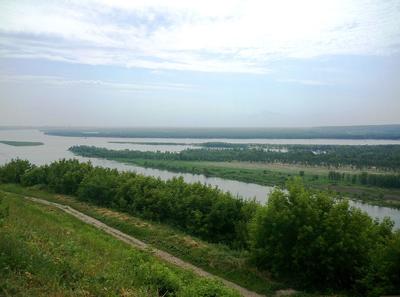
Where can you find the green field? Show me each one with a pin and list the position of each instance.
(21, 143)
(217, 259)
(45, 252)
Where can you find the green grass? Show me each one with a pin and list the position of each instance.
(45, 252)
(217, 259)
(21, 143)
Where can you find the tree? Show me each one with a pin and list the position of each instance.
(14, 170)
(314, 238)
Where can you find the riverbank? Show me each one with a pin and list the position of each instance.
(272, 175)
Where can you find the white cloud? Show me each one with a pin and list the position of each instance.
(307, 82)
(215, 36)
(59, 81)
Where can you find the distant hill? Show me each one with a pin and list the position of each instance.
(334, 132)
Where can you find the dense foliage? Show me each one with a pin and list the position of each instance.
(321, 241)
(370, 179)
(200, 210)
(381, 156)
(306, 236)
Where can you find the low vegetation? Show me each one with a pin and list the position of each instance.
(217, 259)
(307, 237)
(44, 252)
(21, 143)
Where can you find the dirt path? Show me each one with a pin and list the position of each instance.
(143, 246)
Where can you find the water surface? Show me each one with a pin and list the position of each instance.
(56, 147)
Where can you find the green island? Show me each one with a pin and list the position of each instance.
(21, 143)
(367, 173)
(302, 239)
(150, 143)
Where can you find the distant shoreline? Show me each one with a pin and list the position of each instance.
(21, 143)
(381, 132)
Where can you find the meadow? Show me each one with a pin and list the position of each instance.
(44, 252)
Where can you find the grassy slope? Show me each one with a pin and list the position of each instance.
(272, 175)
(45, 252)
(217, 259)
(21, 143)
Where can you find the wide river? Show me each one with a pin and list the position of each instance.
(56, 147)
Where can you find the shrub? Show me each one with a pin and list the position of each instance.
(35, 176)
(14, 170)
(64, 176)
(314, 238)
(99, 186)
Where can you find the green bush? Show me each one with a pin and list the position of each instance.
(159, 277)
(383, 275)
(35, 176)
(13, 171)
(315, 239)
(64, 176)
(207, 288)
(99, 185)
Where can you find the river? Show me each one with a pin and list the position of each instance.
(56, 147)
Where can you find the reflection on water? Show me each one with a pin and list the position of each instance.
(56, 147)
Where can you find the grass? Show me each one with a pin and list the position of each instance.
(21, 143)
(217, 259)
(45, 252)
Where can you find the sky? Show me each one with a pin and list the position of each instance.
(197, 63)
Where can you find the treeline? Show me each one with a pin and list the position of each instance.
(369, 179)
(349, 132)
(196, 208)
(382, 156)
(306, 236)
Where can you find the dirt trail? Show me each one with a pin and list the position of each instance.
(143, 246)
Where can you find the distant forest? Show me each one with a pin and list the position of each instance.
(385, 157)
(342, 132)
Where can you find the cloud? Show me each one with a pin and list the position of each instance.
(58, 81)
(307, 82)
(208, 36)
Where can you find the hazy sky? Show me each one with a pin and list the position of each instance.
(199, 63)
